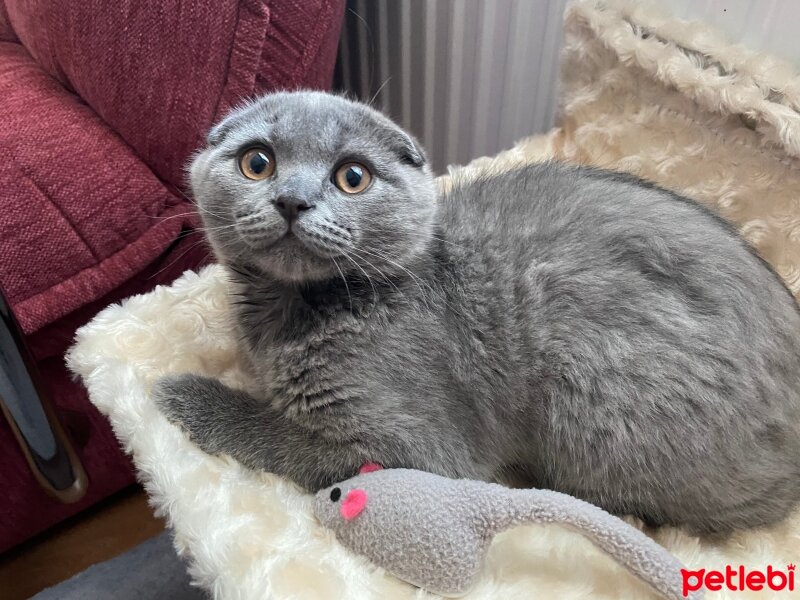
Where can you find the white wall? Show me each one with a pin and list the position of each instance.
(771, 25)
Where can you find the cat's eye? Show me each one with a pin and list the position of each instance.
(257, 163)
(352, 178)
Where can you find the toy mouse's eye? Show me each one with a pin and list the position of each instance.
(352, 178)
(257, 163)
(336, 493)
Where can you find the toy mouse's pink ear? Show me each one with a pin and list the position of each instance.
(353, 504)
(369, 468)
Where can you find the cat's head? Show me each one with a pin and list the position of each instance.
(305, 186)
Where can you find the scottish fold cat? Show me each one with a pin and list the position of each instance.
(604, 337)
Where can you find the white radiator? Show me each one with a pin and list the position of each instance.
(467, 77)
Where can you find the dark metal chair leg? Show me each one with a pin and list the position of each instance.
(32, 419)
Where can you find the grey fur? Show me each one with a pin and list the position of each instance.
(608, 338)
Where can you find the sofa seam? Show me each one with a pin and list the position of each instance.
(318, 35)
(166, 185)
(54, 204)
(79, 273)
(222, 92)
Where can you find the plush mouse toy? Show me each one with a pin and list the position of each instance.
(434, 532)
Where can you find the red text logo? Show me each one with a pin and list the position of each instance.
(738, 579)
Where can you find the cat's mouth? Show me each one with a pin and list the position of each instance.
(295, 255)
(300, 251)
(296, 242)
(319, 241)
(286, 239)
(261, 239)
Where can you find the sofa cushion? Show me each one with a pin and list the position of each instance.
(79, 213)
(24, 508)
(6, 32)
(160, 72)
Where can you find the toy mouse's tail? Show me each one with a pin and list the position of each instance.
(627, 545)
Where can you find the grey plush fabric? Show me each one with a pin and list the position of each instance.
(152, 570)
(435, 532)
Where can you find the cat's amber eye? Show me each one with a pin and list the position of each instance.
(257, 163)
(352, 178)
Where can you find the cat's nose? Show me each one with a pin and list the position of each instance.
(290, 206)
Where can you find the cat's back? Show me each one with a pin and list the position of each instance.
(617, 272)
(581, 206)
(579, 222)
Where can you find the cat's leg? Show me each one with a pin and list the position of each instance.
(221, 420)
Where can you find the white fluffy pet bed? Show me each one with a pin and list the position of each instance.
(634, 100)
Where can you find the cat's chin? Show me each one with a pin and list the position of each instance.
(289, 259)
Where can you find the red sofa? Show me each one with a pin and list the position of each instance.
(101, 104)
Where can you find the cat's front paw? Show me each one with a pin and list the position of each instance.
(214, 416)
(187, 402)
(172, 397)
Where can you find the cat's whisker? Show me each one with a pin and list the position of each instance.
(203, 209)
(249, 223)
(180, 256)
(347, 287)
(216, 228)
(369, 279)
(381, 273)
(378, 230)
(419, 281)
(192, 212)
(162, 218)
(413, 277)
(332, 230)
(380, 89)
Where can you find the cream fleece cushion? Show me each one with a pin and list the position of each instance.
(642, 93)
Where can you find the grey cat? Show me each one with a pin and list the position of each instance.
(607, 338)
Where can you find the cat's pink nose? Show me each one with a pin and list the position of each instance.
(353, 504)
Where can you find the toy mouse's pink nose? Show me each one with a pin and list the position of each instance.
(353, 504)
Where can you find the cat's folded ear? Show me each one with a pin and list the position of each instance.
(234, 117)
(219, 131)
(408, 149)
